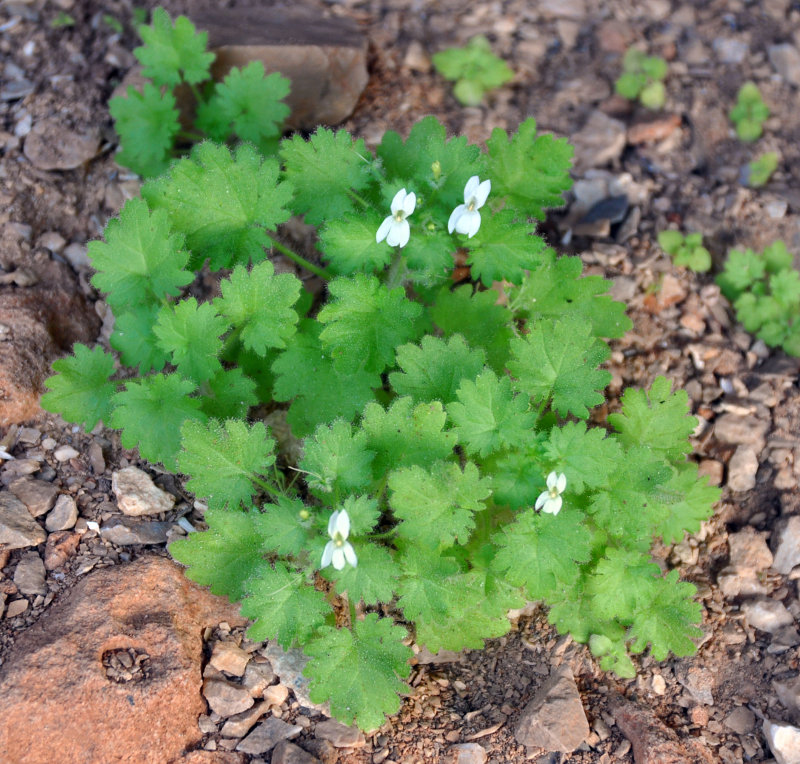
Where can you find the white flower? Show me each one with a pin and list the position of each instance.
(339, 549)
(550, 500)
(465, 218)
(395, 226)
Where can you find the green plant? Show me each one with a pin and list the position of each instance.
(62, 20)
(642, 77)
(749, 113)
(686, 250)
(765, 291)
(246, 105)
(760, 170)
(474, 68)
(449, 471)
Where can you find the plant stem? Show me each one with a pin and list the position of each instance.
(360, 199)
(301, 261)
(397, 271)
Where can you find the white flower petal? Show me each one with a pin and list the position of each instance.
(397, 202)
(409, 203)
(471, 187)
(350, 554)
(552, 480)
(338, 558)
(562, 482)
(343, 523)
(543, 497)
(553, 506)
(454, 216)
(473, 223)
(332, 524)
(384, 229)
(482, 192)
(399, 234)
(327, 555)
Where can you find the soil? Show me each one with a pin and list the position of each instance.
(566, 56)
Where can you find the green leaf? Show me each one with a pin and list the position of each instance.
(81, 391)
(259, 304)
(223, 203)
(476, 317)
(348, 243)
(140, 261)
(429, 256)
(586, 457)
(222, 459)
(653, 95)
(621, 582)
(319, 393)
(147, 124)
(150, 414)
(133, 338)
(630, 84)
(503, 249)
(689, 502)
(666, 622)
(364, 514)
(230, 395)
(191, 333)
(247, 103)
(656, 419)
(173, 53)
(670, 241)
(323, 171)
(742, 269)
(404, 435)
(540, 552)
(437, 504)
(285, 608)
(777, 258)
(476, 68)
(360, 670)
(517, 479)
(364, 323)
(285, 526)
(433, 370)
(613, 655)
(530, 171)
(226, 555)
(337, 460)
(373, 580)
(557, 362)
(426, 588)
(488, 416)
(760, 170)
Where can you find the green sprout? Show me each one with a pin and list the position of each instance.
(475, 69)
(760, 170)
(686, 250)
(750, 113)
(61, 20)
(642, 77)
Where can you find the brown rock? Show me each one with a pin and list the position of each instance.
(147, 606)
(239, 725)
(60, 546)
(137, 494)
(652, 741)
(325, 58)
(267, 735)
(52, 146)
(229, 658)
(226, 698)
(653, 130)
(38, 496)
(17, 528)
(212, 757)
(289, 753)
(340, 735)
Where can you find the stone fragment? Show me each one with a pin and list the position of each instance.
(766, 614)
(783, 740)
(653, 130)
(63, 515)
(700, 683)
(785, 59)
(37, 495)
(742, 469)
(17, 528)
(96, 459)
(741, 720)
(741, 430)
(239, 725)
(52, 146)
(276, 694)
(267, 735)
(289, 753)
(554, 719)
(788, 693)
(212, 757)
(229, 658)
(340, 735)
(126, 531)
(325, 58)
(30, 574)
(65, 453)
(652, 741)
(787, 546)
(288, 665)
(60, 546)
(562, 9)
(417, 58)
(257, 677)
(465, 753)
(730, 50)
(601, 140)
(226, 698)
(147, 606)
(137, 495)
(16, 607)
(749, 556)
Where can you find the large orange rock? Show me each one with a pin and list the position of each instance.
(112, 673)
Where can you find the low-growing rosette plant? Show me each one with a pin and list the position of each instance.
(449, 471)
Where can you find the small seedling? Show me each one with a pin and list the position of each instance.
(62, 20)
(686, 250)
(246, 105)
(642, 77)
(765, 292)
(750, 112)
(475, 69)
(760, 170)
(113, 23)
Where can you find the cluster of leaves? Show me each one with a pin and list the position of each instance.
(431, 412)
(765, 291)
(749, 113)
(686, 250)
(246, 105)
(474, 69)
(760, 170)
(643, 78)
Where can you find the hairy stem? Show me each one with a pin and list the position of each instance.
(301, 261)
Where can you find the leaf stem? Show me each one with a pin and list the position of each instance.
(301, 261)
(397, 271)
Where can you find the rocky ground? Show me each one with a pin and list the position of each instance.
(89, 604)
